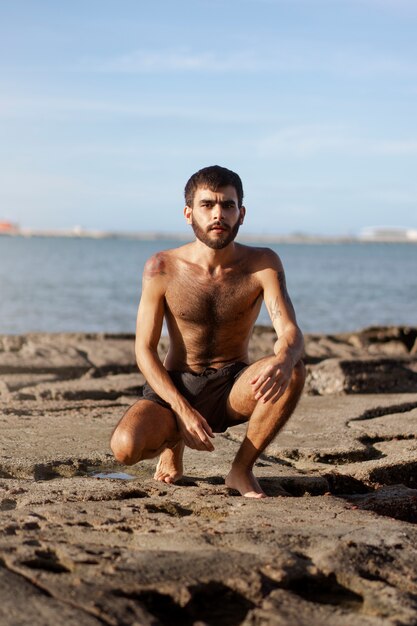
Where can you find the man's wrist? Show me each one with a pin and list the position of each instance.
(180, 406)
(285, 353)
(285, 358)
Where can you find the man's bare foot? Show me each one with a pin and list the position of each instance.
(170, 468)
(245, 483)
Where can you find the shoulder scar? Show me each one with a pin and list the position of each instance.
(154, 267)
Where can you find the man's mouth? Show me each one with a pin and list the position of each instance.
(218, 228)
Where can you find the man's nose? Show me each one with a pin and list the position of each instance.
(218, 211)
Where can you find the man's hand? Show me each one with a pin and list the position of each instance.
(272, 381)
(195, 430)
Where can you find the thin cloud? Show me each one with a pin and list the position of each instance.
(303, 141)
(394, 148)
(57, 108)
(396, 5)
(23, 189)
(392, 196)
(147, 61)
(280, 56)
(312, 140)
(283, 56)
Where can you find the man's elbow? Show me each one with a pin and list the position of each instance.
(140, 358)
(291, 334)
(144, 353)
(297, 336)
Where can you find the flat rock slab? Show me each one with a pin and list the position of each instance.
(66, 353)
(339, 438)
(364, 375)
(85, 541)
(107, 387)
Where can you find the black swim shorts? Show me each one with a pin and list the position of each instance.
(207, 392)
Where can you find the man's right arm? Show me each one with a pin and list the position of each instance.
(195, 430)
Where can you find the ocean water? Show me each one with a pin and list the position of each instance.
(93, 285)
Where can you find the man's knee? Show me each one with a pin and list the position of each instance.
(124, 447)
(299, 375)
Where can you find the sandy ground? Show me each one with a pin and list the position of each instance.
(87, 542)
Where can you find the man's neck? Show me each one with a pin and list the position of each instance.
(210, 258)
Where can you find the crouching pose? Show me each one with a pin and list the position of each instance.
(210, 292)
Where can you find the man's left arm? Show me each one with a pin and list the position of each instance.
(274, 378)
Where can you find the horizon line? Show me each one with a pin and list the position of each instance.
(383, 234)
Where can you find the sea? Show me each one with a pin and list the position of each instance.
(69, 284)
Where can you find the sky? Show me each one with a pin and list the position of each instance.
(108, 106)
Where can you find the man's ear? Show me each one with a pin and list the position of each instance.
(242, 213)
(188, 214)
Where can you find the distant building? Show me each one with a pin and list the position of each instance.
(389, 234)
(8, 228)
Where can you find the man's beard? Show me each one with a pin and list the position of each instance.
(221, 241)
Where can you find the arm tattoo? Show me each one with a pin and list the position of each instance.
(283, 285)
(274, 310)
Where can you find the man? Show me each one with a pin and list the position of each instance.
(210, 292)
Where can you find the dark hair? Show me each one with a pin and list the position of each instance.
(213, 177)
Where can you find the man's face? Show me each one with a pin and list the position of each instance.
(215, 216)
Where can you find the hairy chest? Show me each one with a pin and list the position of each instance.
(204, 301)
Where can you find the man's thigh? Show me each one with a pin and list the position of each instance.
(241, 402)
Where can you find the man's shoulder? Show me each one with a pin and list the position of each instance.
(163, 263)
(156, 265)
(260, 257)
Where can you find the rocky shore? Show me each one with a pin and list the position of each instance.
(86, 542)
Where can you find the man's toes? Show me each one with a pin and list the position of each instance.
(254, 494)
(164, 477)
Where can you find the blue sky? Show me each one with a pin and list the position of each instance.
(107, 107)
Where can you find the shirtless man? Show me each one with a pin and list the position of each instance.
(210, 292)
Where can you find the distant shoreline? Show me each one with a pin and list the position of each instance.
(185, 237)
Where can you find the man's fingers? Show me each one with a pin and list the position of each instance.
(204, 446)
(275, 394)
(205, 440)
(272, 389)
(195, 444)
(198, 439)
(197, 433)
(204, 430)
(264, 387)
(260, 384)
(189, 439)
(269, 384)
(207, 428)
(260, 379)
(208, 445)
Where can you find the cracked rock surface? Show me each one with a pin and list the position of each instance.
(84, 541)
